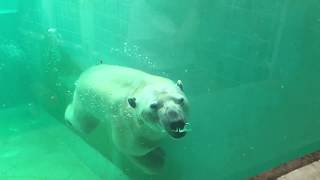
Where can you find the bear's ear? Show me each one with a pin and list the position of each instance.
(180, 85)
(132, 102)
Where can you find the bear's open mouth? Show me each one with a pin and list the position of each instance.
(180, 132)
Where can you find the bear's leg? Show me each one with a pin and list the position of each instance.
(151, 163)
(68, 115)
(79, 119)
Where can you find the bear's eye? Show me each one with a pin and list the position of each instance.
(154, 106)
(132, 102)
(180, 101)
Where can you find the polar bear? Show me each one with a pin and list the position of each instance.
(139, 109)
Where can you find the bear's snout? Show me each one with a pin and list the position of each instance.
(172, 114)
(175, 122)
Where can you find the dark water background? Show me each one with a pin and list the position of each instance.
(250, 69)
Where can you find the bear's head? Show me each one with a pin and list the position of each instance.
(163, 107)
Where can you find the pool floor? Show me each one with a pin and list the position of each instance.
(36, 146)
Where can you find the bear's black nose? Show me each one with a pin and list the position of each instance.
(173, 114)
(177, 125)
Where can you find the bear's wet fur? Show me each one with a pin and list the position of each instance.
(121, 102)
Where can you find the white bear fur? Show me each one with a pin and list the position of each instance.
(101, 96)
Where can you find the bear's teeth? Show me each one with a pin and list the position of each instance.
(179, 130)
(182, 130)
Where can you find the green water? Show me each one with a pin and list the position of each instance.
(250, 70)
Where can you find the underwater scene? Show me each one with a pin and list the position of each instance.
(157, 89)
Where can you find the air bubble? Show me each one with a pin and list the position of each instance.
(52, 30)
